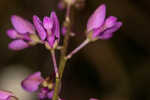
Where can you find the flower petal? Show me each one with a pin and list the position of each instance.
(12, 33)
(109, 32)
(32, 82)
(97, 18)
(39, 27)
(50, 94)
(4, 95)
(18, 45)
(47, 23)
(51, 40)
(21, 25)
(110, 21)
(43, 93)
(56, 27)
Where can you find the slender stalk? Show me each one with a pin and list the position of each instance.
(83, 44)
(63, 54)
(54, 62)
(68, 13)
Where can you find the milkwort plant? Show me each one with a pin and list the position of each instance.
(25, 34)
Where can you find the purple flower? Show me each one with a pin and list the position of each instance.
(6, 95)
(21, 25)
(100, 28)
(18, 44)
(35, 81)
(22, 32)
(32, 82)
(49, 29)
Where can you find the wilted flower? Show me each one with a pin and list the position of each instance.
(99, 28)
(35, 81)
(49, 29)
(7, 95)
(23, 33)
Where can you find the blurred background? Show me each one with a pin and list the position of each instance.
(115, 69)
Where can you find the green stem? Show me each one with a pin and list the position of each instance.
(62, 58)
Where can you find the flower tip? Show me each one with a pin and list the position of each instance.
(18, 45)
(39, 27)
(21, 25)
(110, 21)
(11, 33)
(35, 17)
(53, 13)
(97, 18)
(56, 24)
(32, 82)
(102, 7)
(13, 17)
(47, 23)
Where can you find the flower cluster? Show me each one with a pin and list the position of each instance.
(47, 32)
(35, 81)
(99, 28)
(21, 33)
(24, 32)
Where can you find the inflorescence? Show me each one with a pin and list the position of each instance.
(25, 34)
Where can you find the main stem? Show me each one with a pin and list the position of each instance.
(62, 58)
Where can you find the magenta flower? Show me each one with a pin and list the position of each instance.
(49, 29)
(32, 82)
(21, 33)
(6, 95)
(35, 81)
(100, 28)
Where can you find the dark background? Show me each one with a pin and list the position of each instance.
(115, 69)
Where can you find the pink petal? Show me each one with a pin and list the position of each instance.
(21, 25)
(110, 21)
(50, 94)
(47, 23)
(56, 26)
(39, 27)
(43, 93)
(32, 82)
(109, 32)
(18, 45)
(97, 18)
(12, 33)
(51, 40)
(4, 95)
